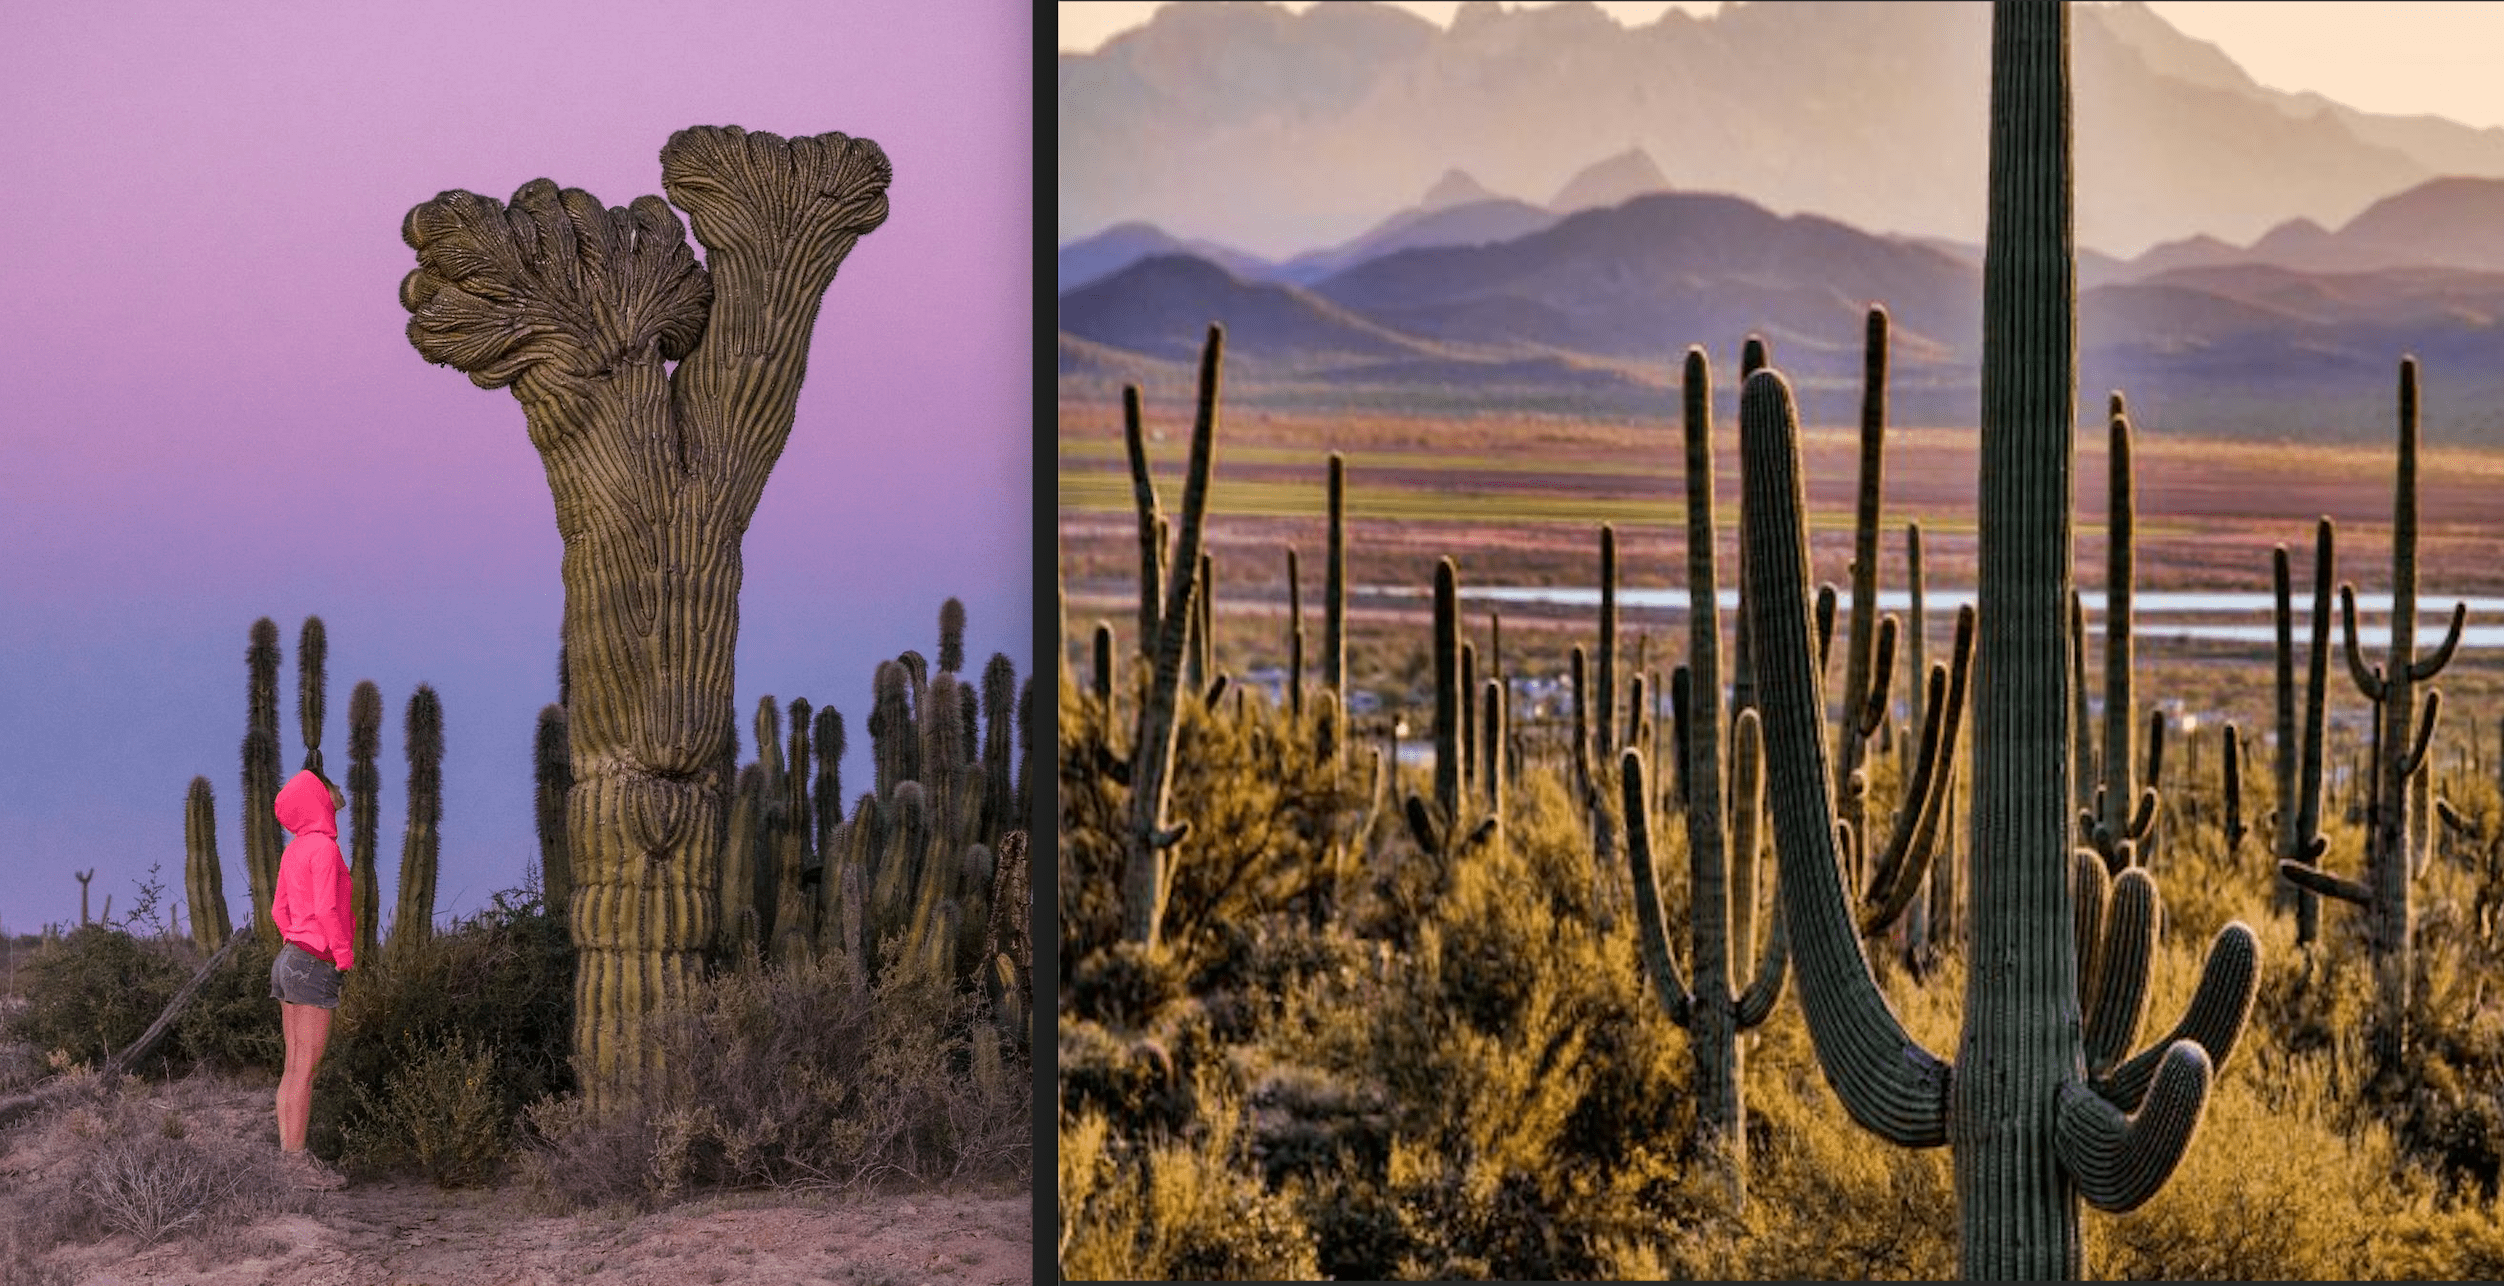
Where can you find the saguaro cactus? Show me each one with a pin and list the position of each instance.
(2048, 1113)
(2123, 812)
(261, 840)
(1335, 590)
(1440, 831)
(1152, 837)
(2298, 830)
(2399, 756)
(203, 881)
(365, 779)
(421, 843)
(553, 769)
(312, 655)
(655, 474)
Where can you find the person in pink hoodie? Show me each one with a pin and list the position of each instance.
(317, 920)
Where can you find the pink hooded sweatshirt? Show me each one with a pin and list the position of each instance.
(312, 908)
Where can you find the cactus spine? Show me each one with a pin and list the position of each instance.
(365, 779)
(420, 844)
(2299, 758)
(1153, 838)
(203, 881)
(261, 843)
(2040, 1122)
(2398, 756)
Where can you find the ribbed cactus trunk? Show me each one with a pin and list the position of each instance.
(262, 841)
(1448, 715)
(792, 928)
(742, 929)
(1335, 588)
(1152, 837)
(655, 473)
(365, 780)
(2039, 1109)
(999, 726)
(421, 843)
(2299, 757)
(2125, 818)
(1862, 675)
(203, 881)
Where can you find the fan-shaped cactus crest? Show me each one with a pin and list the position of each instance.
(579, 308)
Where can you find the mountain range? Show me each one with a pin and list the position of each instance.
(2295, 335)
(1294, 134)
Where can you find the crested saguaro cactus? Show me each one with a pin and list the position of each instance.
(365, 779)
(655, 474)
(2399, 756)
(2038, 1108)
(1152, 837)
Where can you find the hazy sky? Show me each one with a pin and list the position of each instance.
(2375, 55)
(213, 412)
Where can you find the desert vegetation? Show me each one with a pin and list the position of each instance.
(1538, 1007)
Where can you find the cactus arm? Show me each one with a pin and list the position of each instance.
(1916, 833)
(1773, 969)
(1875, 712)
(1889, 1084)
(2155, 778)
(1143, 495)
(2091, 889)
(1918, 796)
(2368, 680)
(1653, 932)
(2433, 665)
(2082, 775)
(2323, 884)
(2234, 790)
(2119, 999)
(1825, 624)
(2214, 1020)
(2143, 818)
(2424, 740)
(1421, 824)
(2118, 1161)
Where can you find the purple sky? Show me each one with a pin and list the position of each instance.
(210, 412)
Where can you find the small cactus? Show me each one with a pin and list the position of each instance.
(211, 924)
(365, 778)
(553, 765)
(420, 843)
(312, 653)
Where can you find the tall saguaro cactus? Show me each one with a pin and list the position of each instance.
(261, 840)
(312, 657)
(1152, 837)
(2299, 837)
(655, 474)
(422, 842)
(2403, 734)
(365, 779)
(2038, 1108)
(2125, 810)
(211, 922)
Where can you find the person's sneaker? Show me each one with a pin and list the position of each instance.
(305, 1170)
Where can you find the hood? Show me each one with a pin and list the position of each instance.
(304, 807)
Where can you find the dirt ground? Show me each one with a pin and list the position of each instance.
(387, 1233)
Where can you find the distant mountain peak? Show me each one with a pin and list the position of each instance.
(1611, 180)
(1456, 187)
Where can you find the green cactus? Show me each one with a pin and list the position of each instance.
(742, 929)
(261, 839)
(999, 723)
(2049, 1112)
(1103, 671)
(2233, 770)
(1151, 523)
(951, 636)
(2392, 860)
(312, 652)
(1444, 831)
(2123, 810)
(2299, 758)
(793, 931)
(203, 880)
(1869, 646)
(1604, 705)
(552, 758)
(1153, 838)
(828, 790)
(365, 780)
(420, 844)
(769, 817)
(1295, 639)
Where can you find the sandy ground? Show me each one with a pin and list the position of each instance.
(390, 1233)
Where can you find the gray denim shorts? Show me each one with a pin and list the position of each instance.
(299, 977)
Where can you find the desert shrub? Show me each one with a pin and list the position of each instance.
(126, 1165)
(232, 1022)
(93, 991)
(439, 1109)
(1179, 1211)
(801, 1075)
(500, 981)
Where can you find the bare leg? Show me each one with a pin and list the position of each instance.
(308, 1030)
